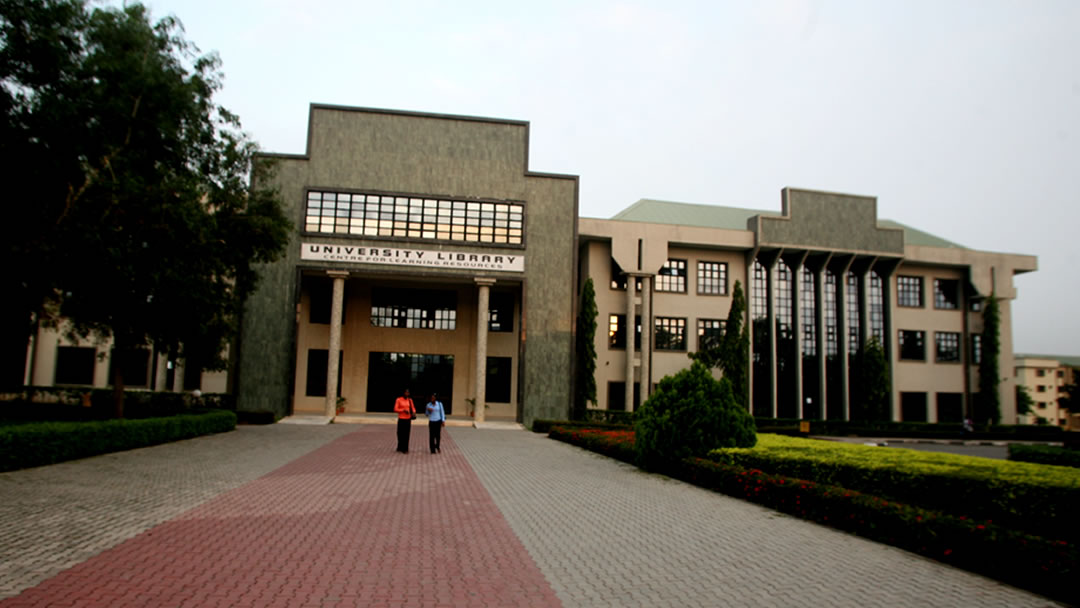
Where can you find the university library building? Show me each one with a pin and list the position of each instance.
(428, 255)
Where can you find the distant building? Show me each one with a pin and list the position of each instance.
(821, 277)
(1045, 376)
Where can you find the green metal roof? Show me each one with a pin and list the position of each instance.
(734, 218)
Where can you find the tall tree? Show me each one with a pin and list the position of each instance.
(137, 219)
(1024, 403)
(870, 396)
(585, 377)
(731, 352)
(989, 401)
(1070, 400)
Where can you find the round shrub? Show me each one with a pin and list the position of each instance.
(689, 414)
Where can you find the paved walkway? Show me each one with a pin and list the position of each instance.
(333, 516)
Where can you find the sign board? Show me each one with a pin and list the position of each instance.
(421, 258)
(804, 426)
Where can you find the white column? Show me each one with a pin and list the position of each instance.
(646, 336)
(631, 327)
(333, 352)
(178, 376)
(161, 370)
(483, 298)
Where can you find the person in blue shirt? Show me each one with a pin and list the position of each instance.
(436, 420)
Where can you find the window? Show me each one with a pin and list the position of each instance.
(976, 349)
(710, 332)
(712, 278)
(1041, 405)
(946, 294)
(912, 345)
(950, 407)
(414, 308)
(1060, 373)
(877, 307)
(832, 345)
(1040, 372)
(976, 306)
(672, 277)
(317, 367)
(853, 312)
(75, 364)
(909, 291)
(759, 302)
(618, 277)
(617, 331)
(1041, 388)
(415, 217)
(670, 333)
(320, 299)
(808, 312)
(617, 396)
(948, 346)
(134, 365)
(498, 380)
(913, 407)
(501, 312)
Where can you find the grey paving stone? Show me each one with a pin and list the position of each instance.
(56, 516)
(605, 533)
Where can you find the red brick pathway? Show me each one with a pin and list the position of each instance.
(353, 523)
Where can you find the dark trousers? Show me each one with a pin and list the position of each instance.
(435, 435)
(404, 426)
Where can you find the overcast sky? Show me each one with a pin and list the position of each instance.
(961, 117)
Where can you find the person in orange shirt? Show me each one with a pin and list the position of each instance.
(406, 411)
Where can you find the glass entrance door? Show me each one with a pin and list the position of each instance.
(391, 373)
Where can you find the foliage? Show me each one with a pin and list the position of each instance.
(689, 414)
(1044, 565)
(137, 220)
(1070, 400)
(988, 401)
(1044, 454)
(36, 444)
(616, 443)
(870, 392)
(541, 425)
(887, 428)
(731, 353)
(42, 404)
(1006, 492)
(585, 376)
(1024, 403)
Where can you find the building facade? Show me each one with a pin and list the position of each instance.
(1045, 378)
(821, 278)
(426, 256)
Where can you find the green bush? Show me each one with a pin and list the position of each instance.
(1044, 454)
(39, 443)
(689, 414)
(58, 404)
(884, 428)
(1039, 499)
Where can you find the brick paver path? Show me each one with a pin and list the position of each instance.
(353, 523)
(333, 516)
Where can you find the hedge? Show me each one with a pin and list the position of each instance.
(40, 443)
(1045, 565)
(1039, 499)
(74, 404)
(869, 428)
(543, 425)
(1044, 454)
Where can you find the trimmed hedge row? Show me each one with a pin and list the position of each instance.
(867, 428)
(1048, 567)
(1044, 454)
(544, 425)
(1039, 499)
(39, 443)
(51, 403)
(1042, 565)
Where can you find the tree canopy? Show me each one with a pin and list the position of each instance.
(730, 352)
(133, 213)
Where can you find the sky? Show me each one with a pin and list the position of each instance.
(961, 116)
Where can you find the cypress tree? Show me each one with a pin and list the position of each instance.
(989, 409)
(585, 373)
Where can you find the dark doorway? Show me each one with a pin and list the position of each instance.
(389, 374)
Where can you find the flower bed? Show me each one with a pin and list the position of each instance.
(1047, 565)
